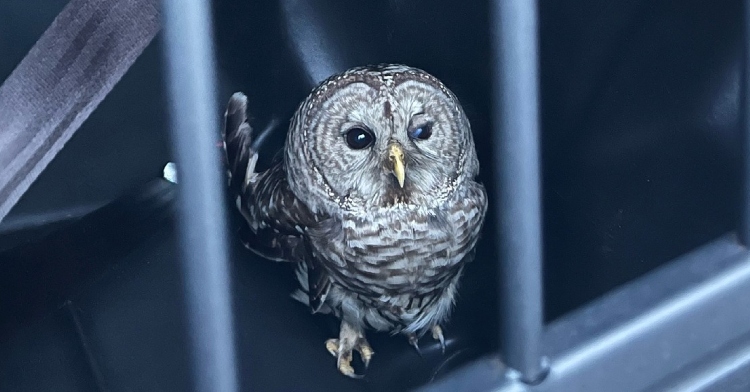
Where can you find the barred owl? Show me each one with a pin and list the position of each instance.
(373, 197)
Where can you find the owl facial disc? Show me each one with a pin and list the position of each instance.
(396, 158)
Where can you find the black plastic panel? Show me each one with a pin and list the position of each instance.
(641, 137)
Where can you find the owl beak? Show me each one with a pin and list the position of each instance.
(396, 157)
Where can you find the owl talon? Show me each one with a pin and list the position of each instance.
(332, 345)
(350, 339)
(437, 334)
(365, 351)
(414, 341)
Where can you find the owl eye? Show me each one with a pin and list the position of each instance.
(422, 132)
(358, 138)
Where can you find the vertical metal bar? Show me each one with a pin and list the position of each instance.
(744, 230)
(195, 124)
(516, 160)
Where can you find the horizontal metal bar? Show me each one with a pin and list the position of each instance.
(195, 131)
(516, 163)
(650, 329)
(725, 370)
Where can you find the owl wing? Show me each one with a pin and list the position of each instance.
(275, 219)
(467, 215)
(277, 223)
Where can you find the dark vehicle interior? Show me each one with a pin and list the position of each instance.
(641, 163)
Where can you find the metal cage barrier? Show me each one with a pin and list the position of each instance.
(641, 336)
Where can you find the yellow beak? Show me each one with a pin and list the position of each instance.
(396, 156)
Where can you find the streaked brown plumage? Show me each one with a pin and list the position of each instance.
(373, 196)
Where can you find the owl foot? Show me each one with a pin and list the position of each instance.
(437, 334)
(350, 339)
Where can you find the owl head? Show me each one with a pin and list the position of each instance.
(379, 136)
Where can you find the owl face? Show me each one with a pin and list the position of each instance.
(383, 136)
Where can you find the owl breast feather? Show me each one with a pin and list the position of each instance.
(400, 250)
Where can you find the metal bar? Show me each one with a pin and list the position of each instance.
(744, 230)
(195, 124)
(516, 161)
(682, 327)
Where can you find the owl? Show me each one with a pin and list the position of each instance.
(373, 197)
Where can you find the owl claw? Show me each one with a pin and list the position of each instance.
(437, 334)
(350, 339)
(414, 341)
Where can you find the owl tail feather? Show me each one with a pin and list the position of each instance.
(237, 142)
